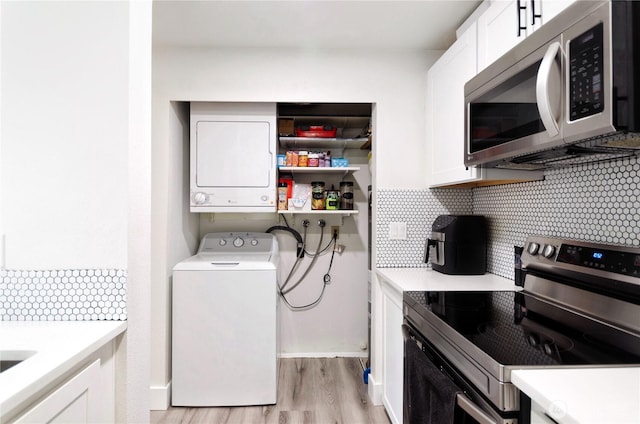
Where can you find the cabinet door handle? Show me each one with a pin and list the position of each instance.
(519, 9)
(535, 15)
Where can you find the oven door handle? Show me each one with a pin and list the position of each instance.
(472, 409)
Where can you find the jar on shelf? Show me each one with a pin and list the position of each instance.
(313, 160)
(333, 200)
(303, 158)
(291, 158)
(346, 195)
(317, 195)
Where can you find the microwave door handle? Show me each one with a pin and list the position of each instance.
(543, 96)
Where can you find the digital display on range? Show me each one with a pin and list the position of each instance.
(616, 261)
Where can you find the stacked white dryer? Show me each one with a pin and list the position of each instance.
(225, 322)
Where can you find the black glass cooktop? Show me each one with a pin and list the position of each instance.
(515, 328)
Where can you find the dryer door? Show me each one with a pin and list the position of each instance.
(233, 157)
(233, 154)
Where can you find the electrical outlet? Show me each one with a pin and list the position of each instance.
(335, 230)
(397, 231)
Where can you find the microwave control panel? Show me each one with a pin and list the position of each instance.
(585, 74)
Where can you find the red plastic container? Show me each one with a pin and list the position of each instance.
(317, 131)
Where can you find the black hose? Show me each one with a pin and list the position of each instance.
(298, 237)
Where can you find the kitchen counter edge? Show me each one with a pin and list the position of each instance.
(425, 279)
(584, 395)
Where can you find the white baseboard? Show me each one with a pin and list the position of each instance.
(160, 397)
(374, 390)
(324, 355)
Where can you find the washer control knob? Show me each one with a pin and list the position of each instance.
(222, 242)
(238, 242)
(254, 242)
(548, 251)
(200, 198)
(533, 248)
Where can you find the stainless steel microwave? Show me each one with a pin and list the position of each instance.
(567, 94)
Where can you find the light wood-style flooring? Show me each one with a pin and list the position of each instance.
(310, 391)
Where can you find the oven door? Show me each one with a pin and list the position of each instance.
(434, 390)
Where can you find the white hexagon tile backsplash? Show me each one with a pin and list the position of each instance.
(63, 295)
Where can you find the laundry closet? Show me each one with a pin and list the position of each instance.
(234, 189)
(338, 325)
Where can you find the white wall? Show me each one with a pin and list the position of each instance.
(64, 134)
(75, 165)
(138, 342)
(175, 234)
(393, 80)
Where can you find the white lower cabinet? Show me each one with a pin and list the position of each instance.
(538, 415)
(85, 396)
(76, 401)
(393, 355)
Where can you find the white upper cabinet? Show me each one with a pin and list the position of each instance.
(445, 110)
(445, 119)
(551, 8)
(507, 22)
(498, 30)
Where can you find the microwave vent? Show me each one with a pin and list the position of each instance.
(597, 149)
(521, 166)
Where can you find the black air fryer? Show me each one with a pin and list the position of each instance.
(458, 245)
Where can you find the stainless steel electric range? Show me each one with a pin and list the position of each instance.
(580, 306)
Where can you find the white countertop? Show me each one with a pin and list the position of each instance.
(584, 395)
(410, 279)
(59, 347)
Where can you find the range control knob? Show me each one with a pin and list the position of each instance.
(548, 348)
(222, 242)
(533, 340)
(548, 251)
(200, 198)
(254, 242)
(238, 242)
(533, 248)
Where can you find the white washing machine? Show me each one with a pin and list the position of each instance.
(225, 322)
